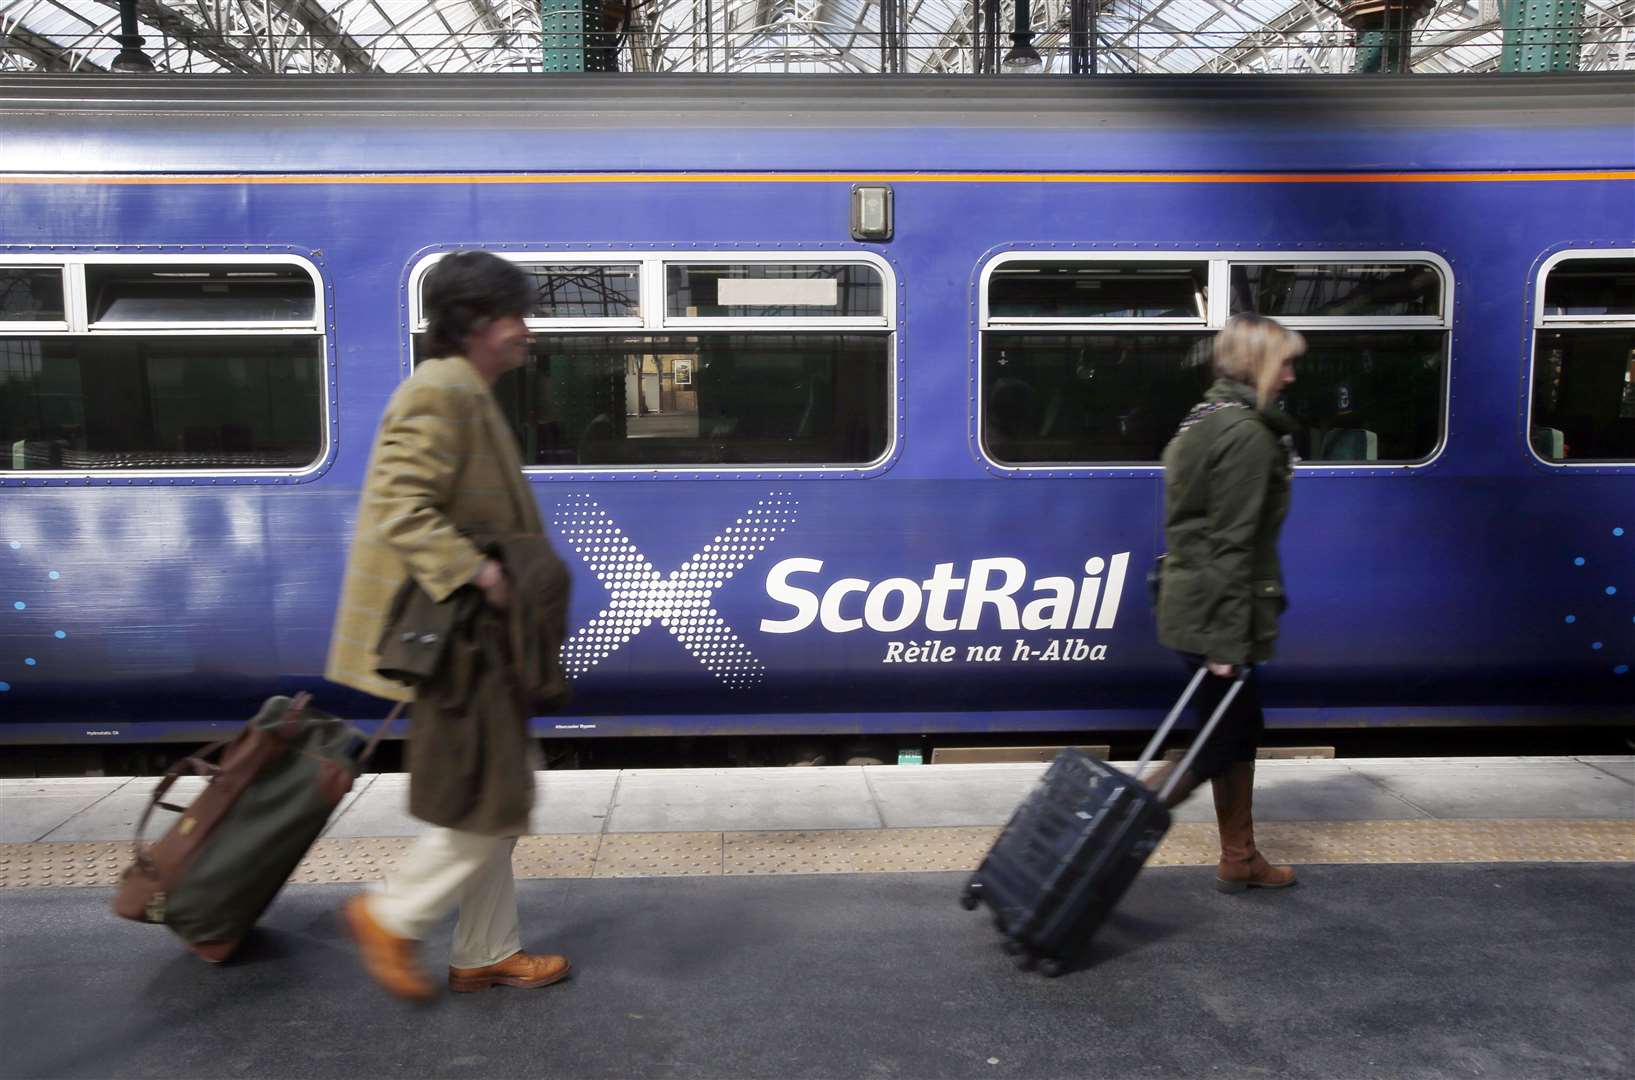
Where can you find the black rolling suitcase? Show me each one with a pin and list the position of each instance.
(1075, 844)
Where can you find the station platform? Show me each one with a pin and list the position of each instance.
(1454, 917)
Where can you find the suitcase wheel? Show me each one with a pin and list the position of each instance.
(1050, 967)
(1012, 948)
(1024, 960)
(968, 899)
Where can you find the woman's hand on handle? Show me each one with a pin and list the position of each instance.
(1225, 671)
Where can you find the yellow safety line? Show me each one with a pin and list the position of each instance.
(822, 178)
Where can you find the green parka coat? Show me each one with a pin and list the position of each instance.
(1226, 493)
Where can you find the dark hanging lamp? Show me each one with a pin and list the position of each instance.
(131, 57)
(1023, 57)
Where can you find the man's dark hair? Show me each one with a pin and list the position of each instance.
(464, 292)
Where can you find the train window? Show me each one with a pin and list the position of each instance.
(702, 400)
(195, 294)
(31, 294)
(1591, 287)
(1583, 394)
(1099, 290)
(1067, 379)
(93, 402)
(1368, 395)
(767, 290)
(165, 364)
(751, 360)
(585, 291)
(1117, 396)
(1287, 290)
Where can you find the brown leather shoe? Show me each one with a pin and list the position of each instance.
(388, 958)
(519, 969)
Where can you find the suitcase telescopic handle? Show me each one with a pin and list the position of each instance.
(1203, 735)
(1163, 731)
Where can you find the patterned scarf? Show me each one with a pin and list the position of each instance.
(1226, 394)
(1205, 408)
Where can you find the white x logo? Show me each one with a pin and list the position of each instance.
(680, 601)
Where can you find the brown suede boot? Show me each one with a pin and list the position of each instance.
(1242, 866)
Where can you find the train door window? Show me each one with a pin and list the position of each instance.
(167, 364)
(1092, 359)
(1583, 386)
(715, 363)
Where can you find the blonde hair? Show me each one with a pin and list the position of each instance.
(1250, 349)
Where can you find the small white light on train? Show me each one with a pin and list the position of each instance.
(871, 212)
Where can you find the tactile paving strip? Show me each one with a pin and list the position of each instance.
(659, 854)
(1448, 841)
(855, 851)
(859, 851)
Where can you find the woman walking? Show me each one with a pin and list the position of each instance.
(1227, 478)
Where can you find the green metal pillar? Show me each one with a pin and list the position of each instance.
(1375, 53)
(1541, 35)
(1385, 31)
(575, 36)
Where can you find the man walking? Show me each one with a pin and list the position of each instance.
(445, 468)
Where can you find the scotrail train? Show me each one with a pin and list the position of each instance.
(846, 396)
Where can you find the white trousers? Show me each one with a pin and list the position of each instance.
(445, 869)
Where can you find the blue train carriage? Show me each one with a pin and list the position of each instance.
(846, 396)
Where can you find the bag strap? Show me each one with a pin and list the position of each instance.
(195, 764)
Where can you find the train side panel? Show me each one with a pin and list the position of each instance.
(1438, 593)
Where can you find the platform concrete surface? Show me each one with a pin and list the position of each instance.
(1514, 971)
(894, 796)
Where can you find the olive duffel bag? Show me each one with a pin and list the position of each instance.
(268, 797)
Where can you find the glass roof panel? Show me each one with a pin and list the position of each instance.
(457, 36)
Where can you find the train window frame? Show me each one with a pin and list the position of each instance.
(1220, 263)
(655, 320)
(79, 324)
(1538, 320)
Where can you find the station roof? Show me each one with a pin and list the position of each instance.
(754, 36)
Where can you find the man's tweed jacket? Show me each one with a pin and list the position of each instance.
(445, 463)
